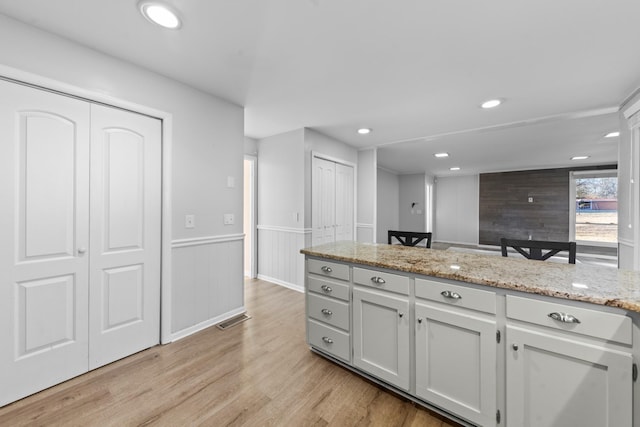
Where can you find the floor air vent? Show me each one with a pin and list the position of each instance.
(233, 321)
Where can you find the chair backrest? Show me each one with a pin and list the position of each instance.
(537, 246)
(409, 238)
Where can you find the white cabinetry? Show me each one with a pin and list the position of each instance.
(381, 326)
(456, 349)
(328, 314)
(559, 374)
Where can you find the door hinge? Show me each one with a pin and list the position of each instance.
(498, 416)
(634, 372)
(498, 337)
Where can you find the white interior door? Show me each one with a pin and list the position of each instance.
(44, 224)
(125, 234)
(344, 202)
(323, 201)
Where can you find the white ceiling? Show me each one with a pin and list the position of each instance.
(413, 70)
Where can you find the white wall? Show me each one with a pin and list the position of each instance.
(456, 210)
(207, 147)
(412, 191)
(366, 203)
(388, 195)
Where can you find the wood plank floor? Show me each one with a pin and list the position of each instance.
(257, 373)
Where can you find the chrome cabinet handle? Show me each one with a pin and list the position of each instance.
(326, 312)
(449, 294)
(563, 317)
(378, 280)
(326, 269)
(326, 289)
(327, 340)
(419, 319)
(515, 346)
(400, 315)
(82, 250)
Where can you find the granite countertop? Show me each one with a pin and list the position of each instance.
(588, 283)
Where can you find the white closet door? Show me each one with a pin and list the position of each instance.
(125, 234)
(323, 201)
(44, 223)
(344, 202)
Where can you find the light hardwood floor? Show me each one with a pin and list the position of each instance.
(257, 373)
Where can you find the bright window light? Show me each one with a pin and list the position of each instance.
(579, 157)
(160, 14)
(440, 155)
(612, 134)
(455, 168)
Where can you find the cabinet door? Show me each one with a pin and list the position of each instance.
(558, 382)
(456, 362)
(381, 335)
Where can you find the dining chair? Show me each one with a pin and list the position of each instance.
(536, 248)
(409, 238)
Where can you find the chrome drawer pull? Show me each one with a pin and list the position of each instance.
(327, 340)
(449, 294)
(326, 289)
(326, 269)
(326, 312)
(401, 315)
(419, 319)
(563, 317)
(378, 280)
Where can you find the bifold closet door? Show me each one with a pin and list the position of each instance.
(44, 238)
(124, 253)
(80, 234)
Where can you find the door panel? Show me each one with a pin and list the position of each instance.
(344, 202)
(44, 223)
(125, 234)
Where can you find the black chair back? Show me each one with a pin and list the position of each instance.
(409, 238)
(536, 247)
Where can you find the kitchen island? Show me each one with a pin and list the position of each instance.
(484, 340)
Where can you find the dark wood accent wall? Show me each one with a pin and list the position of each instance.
(505, 210)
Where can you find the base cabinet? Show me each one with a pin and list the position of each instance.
(456, 361)
(554, 381)
(381, 335)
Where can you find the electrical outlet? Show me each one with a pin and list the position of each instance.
(189, 221)
(530, 199)
(229, 219)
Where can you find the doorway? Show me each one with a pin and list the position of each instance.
(249, 217)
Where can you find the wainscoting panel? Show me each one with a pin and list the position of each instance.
(279, 257)
(364, 233)
(207, 282)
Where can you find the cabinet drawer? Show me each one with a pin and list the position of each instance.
(380, 280)
(328, 288)
(594, 323)
(328, 339)
(328, 310)
(328, 269)
(460, 296)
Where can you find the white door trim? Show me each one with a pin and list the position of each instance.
(45, 83)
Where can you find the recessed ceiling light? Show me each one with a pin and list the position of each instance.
(612, 134)
(440, 155)
(160, 14)
(491, 103)
(455, 168)
(579, 157)
(364, 131)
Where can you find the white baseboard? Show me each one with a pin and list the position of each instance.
(292, 286)
(206, 324)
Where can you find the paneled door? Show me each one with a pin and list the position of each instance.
(44, 237)
(124, 255)
(79, 237)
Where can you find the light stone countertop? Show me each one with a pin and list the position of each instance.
(588, 283)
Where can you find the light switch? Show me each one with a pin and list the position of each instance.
(229, 219)
(189, 221)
